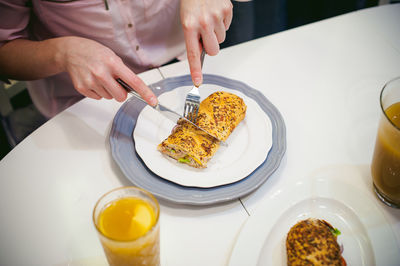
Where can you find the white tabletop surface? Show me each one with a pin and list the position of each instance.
(324, 78)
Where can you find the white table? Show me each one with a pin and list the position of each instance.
(324, 78)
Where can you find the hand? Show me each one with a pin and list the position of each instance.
(205, 23)
(94, 69)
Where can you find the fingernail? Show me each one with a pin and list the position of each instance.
(153, 101)
(197, 82)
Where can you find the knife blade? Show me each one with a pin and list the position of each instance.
(165, 111)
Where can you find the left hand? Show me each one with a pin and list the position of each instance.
(205, 23)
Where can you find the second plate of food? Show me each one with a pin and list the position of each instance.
(246, 148)
(337, 195)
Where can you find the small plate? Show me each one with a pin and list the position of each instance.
(366, 236)
(247, 146)
(124, 153)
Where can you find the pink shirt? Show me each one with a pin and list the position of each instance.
(144, 33)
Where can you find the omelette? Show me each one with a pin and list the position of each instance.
(313, 242)
(219, 114)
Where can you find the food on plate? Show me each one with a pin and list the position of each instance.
(219, 114)
(313, 242)
(189, 145)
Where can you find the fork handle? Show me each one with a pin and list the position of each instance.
(203, 53)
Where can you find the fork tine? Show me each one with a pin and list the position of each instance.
(192, 101)
(188, 111)
(191, 113)
(195, 112)
(185, 111)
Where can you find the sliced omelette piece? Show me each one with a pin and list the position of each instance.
(219, 114)
(189, 145)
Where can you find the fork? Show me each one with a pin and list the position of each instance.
(192, 101)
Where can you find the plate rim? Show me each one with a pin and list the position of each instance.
(121, 140)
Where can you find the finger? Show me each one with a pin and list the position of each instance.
(109, 86)
(193, 49)
(210, 42)
(91, 91)
(220, 32)
(94, 95)
(114, 89)
(138, 85)
(91, 94)
(228, 20)
(95, 86)
(85, 87)
(100, 90)
(228, 14)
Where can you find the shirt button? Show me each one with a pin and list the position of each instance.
(130, 25)
(137, 47)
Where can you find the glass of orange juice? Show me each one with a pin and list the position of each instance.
(127, 223)
(385, 167)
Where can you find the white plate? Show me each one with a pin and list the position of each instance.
(248, 145)
(366, 236)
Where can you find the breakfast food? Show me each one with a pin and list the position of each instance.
(313, 242)
(189, 145)
(219, 114)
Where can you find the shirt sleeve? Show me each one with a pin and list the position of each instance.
(14, 20)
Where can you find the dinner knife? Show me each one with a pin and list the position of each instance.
(165, 111)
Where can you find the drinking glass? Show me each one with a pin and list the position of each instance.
(127, 222)
(385, 167)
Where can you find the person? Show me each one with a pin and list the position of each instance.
(69, 49)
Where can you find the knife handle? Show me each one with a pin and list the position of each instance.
(130, 90)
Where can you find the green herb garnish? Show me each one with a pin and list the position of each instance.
(335, 231)
(183, 160)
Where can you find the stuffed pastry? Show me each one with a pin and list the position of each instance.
(219, 114)
(313, 242)
(189, 145)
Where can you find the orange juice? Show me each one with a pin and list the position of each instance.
(386, 161)
(129, 230)
(126, 219)
(393, 113)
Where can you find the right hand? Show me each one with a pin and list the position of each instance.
(204, 25)
(94, 69)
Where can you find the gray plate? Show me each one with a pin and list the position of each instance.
(124, 153)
